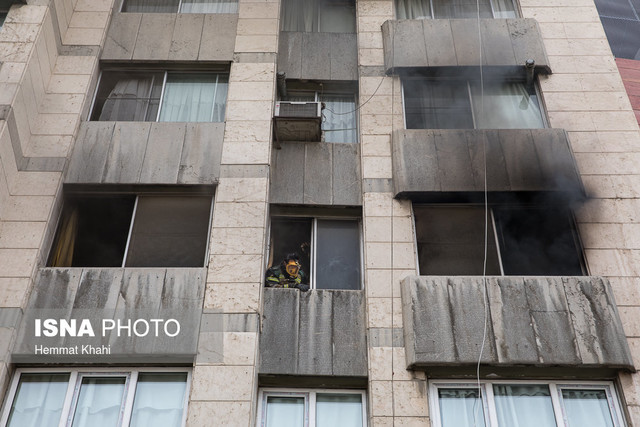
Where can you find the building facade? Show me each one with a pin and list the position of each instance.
(459, 180)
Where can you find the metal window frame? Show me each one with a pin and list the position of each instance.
(310, 396)
(313, 241)
(75, 380)
(555, 390)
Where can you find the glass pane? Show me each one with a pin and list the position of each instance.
(127, 96)
(192, 98)
(431, 104)
(460, 407)
(503, 9)
(502, 105)
(169, 231)
(339, 118)
(451, 241)
(586, 408)
(461, 9)
(337, 16)
(344, 410)
(413, 9)
(338, 254)
(536, 241)
(38, 401)
(291, 235)
(209, 6)
(300, 15)
(154, 6)
(99, 402)
(524, 406)
(159, 400)
(285, 411)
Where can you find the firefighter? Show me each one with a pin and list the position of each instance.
(287, 275)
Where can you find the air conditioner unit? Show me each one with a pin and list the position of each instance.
(297, 121)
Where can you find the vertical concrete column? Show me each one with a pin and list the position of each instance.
(396, 396)
(585, 95)
(225, 377)
(44, 85)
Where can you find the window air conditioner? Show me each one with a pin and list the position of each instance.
(298, 121)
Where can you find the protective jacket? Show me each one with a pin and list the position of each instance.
(279, 278)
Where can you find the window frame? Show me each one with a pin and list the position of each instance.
(216, 71)
(122, 4)
(515, 4)
(492, 224)
(73, 389)
(614, 401)
(318, 17)
(467, 80)
(309, 395)
(137, 195)
(313, 241)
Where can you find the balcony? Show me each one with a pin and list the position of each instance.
(541, 322)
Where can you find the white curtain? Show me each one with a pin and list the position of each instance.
(209, 6)
(344, 410)
(339, 121)
(587, 408)
(413, 9)
(460, 407)
(159, 400)
(300, 15)
(503, 9)
(154, 6)
(194, 98)
(505, 106)
(99, 402)
(524, 406)
(38, 401)
(129, 100)
(285, 411)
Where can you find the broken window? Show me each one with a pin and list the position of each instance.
(319, 16)
(311, 408)
(521, 241)
(160, 96)
(524, 404)
(339, 118)
(182, 6)
(329, 249)
(131, 230)
(467, 104)
(459, 9)
(97, 398)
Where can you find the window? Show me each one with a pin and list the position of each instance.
(522, 240)
(447, 9)
(160, 96)
(83, 398)
(525, 404)
(456, 104)
(319, 16)
(182, 6)
(129, 230)
(329, 249)
(339, 119)
(321, 408)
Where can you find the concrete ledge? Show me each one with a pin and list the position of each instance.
(541, 322)
(146, 153)
(314, 333)
(413, 43)
(171, 37)
(450, 160)
(318, 56)
(119, 294)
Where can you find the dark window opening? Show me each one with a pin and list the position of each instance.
(521, 241)
(132, 231)
(329, 249)
(319, 16)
